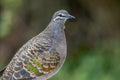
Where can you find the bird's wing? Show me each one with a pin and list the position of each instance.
(37, 59)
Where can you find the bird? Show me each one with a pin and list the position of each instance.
(42, 56)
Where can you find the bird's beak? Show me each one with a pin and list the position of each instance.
(71, 17)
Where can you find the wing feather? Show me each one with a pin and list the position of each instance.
(32, 60)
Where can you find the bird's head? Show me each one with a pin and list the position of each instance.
(61, 16)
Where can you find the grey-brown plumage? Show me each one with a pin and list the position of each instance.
(42, 56)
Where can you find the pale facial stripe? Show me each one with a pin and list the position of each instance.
(58, 17)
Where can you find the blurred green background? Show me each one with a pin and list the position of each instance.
(93, 38)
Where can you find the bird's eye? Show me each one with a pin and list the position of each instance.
(61, 15)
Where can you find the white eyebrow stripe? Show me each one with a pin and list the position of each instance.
(58, 17)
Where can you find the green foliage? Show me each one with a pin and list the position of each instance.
(0, 79)
(6, 21)
(7, 16)
(12, 4)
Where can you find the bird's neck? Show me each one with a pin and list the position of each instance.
(56, 30)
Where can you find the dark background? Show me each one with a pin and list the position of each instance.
(93, 38)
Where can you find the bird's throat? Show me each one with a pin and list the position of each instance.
(56, 31)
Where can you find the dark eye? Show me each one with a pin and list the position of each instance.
(60, 15)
